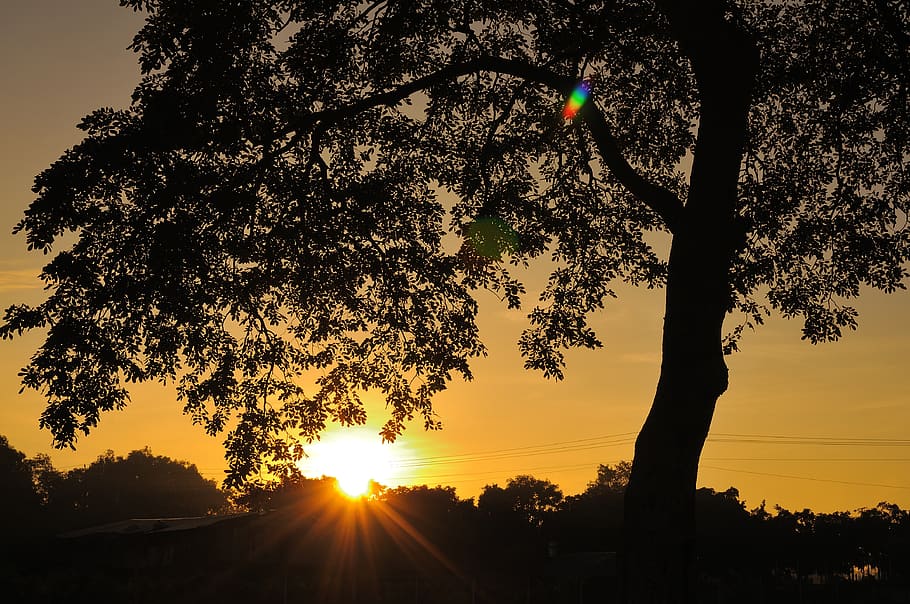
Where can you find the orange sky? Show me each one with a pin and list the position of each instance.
(61, 59)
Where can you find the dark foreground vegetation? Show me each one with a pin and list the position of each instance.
(145, 528)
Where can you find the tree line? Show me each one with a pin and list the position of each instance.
(40, 500)
(527, 515)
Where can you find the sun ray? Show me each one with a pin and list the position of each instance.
(397, 526)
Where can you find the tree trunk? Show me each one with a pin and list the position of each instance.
(659, 563)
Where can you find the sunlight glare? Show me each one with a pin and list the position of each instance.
(353, 459)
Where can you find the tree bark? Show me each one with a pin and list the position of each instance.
(659, 558)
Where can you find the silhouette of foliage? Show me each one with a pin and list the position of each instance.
(610, 479)
(296, 490)
(245, 164)
(46, 478)
(272, 206)
(140, 485)
(528, 498)
(20, 501)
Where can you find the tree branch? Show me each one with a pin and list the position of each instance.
(663, 201)
(660, 199)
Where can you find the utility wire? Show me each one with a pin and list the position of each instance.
(474, 476)
(625, 438)
(811, 459)
(862, 484)
(508, 472)
(561, 444)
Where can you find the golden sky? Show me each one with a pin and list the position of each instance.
(63, 58)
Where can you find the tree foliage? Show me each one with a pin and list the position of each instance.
(140, 485)
(264, 224)
(525, 497)
(610, 479)
(20, 498)
(40, 500)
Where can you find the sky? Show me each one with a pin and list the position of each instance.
(60, 59)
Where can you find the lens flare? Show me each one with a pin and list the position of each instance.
(576, 100)
(490, 238)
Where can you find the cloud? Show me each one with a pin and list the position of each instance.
(639, 358)
(19, 279)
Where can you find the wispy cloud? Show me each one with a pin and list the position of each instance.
(16, 279)
(646, 358)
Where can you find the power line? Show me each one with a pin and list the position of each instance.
(513, 472)
(416, 463)
(862, 484)
(474, 476)
(895, 441)
(811, 459)
(625, 438)
(812, 442)
(568, 445)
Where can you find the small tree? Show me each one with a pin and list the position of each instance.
(272, 204)
(610, 479)
(531, 498)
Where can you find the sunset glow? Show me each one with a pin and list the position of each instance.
(353, 459)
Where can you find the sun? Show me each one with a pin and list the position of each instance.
(353, 459)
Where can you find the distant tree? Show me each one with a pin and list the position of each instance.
(835, 546)
(593, 519)
(834, 543)
(294, 490)
(46, 478)
(140, 485)
(272, 204)
(791, 535)
(526, 497)
(495, 502)
(882, 534)
(423, 500)
(610, 479)
(20, 502)
(725, 530)
(437, 513)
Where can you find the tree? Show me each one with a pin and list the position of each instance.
(526, 497)
(140, 485)
(20, 503)
(610, 479)
(274, 202)
(593, 519)
(46, 478)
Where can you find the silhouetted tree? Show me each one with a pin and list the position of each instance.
(724, 529)
(882, 532)
(592, 520)
(272, 203)
(835, 545)
(610, 479)
(528, 498)
(20, 501)
(140, 485)
(46, 478)
(425, 501)
(290, 491)
(437, 514)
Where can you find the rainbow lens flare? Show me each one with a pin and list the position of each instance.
(576, 100)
